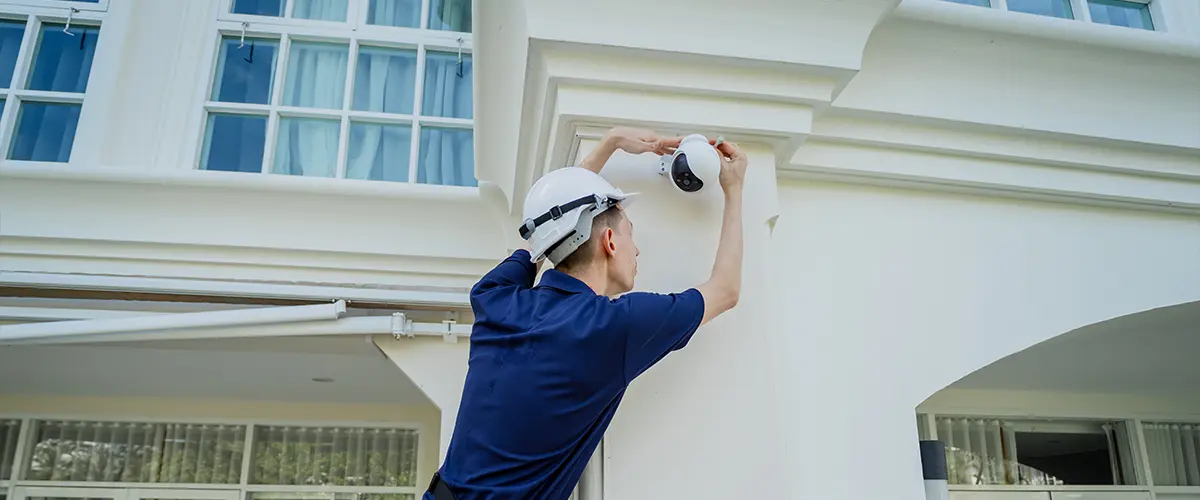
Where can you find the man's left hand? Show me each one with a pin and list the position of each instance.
(638, 141)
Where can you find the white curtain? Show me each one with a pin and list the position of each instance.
(136, 452)
(316, 78)
(334, 456)
(325, 10)
(1120, 456)
(384, 82)
(379, 152)
(307, 147)
(447, 155)
(403, 13)
(984, 452)
(1174, 451)
(453, 15)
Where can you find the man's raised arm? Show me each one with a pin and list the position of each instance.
(724, 286)
(631, 140)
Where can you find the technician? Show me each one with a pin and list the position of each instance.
(549, 363)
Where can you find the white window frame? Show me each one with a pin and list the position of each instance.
(927, 427)
(1080, 12)
(354, 32)
(207, 491)
(36, 13)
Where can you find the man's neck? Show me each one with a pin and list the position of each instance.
(594, 277)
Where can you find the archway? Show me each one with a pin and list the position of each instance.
(1109, 410)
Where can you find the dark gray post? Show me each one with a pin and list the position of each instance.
(933, 468)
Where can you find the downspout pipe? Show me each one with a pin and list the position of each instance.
(83, 329)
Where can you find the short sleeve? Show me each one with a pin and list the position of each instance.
(656, 324)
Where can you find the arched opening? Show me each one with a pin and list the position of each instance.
(1108, 411)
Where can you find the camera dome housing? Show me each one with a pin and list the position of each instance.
(694, 164)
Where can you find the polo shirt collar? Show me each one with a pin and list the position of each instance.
(559, 280)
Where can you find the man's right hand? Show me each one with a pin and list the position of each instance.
(733, 166)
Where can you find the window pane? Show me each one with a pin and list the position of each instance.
(137, 452)
(447, 156)
(8, 446)
(316, 76)
(234, 143)
(325, 10)
(988, 451)
(981, 3)
(1174, 451)
(245, 74)
(1053, 8)
(10, 43)
(384, 80)
(450, 15)
(307, 146)
(333, 456)
(1119, 13)
(45, 132)
(447, 89)
(62, 62)
(403, 13)
(258, 7)
(379, 152)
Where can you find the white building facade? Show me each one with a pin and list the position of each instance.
(236, 238)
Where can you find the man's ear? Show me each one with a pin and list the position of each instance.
(610, 246)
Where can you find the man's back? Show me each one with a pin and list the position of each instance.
(548, 368)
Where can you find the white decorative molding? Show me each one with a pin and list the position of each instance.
(909, 152)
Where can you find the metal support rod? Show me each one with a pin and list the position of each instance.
(210, 319)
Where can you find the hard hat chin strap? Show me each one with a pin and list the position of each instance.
(556, 212)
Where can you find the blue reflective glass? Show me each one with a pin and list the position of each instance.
(379, 152)
(1121, 13)
(245, 74)
(44, 132)
(272, 8)
(447, 156)
(1052, 8)
(234, 143)
(981, 3)
(10, 43)
(447, 90)
(450, 15)
(403, 13)
(384, 80)
(63, 62)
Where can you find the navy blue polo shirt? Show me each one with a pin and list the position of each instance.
(548, 367)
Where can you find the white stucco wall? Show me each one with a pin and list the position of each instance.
(860, 302)
(889, 296)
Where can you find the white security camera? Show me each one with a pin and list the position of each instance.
(694, 164)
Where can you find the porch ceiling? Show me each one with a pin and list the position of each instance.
(276, 369)
(1152, 352)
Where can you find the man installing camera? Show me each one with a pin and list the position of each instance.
(550, 363)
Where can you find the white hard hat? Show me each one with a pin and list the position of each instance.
(559, 211)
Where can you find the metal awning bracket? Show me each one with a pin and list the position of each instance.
(402, 327)
(448, 334)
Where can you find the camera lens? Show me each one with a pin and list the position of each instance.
(681, 173)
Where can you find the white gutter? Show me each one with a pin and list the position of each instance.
(397, 325)
(85, 329)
